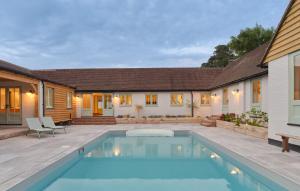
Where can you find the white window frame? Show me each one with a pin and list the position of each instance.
(177, 104)
(208, 94)
(48, 98)
(294, 105)
(151, 100)
(125, 96)
(256, 104)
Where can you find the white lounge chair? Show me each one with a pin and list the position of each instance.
(35, 125)
(49, 123)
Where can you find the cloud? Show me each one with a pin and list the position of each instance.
(119, 33)
(188, 51)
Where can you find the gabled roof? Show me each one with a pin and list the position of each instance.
(7, 66)
(263, 62)
(15, 69)
(242, 68)
(135, 79)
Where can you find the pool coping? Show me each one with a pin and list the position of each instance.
(285, 181)
(255, 166)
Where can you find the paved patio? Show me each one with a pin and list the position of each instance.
(21, 157)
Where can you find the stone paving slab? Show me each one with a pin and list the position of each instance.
(21, 157)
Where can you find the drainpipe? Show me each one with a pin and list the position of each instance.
(192, 103)
(43, 98)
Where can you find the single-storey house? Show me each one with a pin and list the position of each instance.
(65, 94)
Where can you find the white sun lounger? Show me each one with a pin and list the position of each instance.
(35, 125)
(49, 123)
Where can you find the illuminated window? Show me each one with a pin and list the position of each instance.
(205, 99)
(49, 96)
(2, 99)
(225, 96)
(125, 100)
(297, 77)
(151, 99)
(176, 99)
(256, 91)
(86, 101)
(69, 100)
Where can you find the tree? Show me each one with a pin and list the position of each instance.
(220, 58)
(249, 39)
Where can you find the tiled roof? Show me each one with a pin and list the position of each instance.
(134, 79)
(151, 79)
(242, 68)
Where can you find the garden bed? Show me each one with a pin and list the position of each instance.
(255, 131)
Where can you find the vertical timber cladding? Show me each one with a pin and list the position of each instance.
(287, 38)
(60, 112)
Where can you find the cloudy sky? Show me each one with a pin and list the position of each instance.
(124, 33)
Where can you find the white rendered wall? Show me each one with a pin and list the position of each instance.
(163, 107)
(279, 100)
(242, 101)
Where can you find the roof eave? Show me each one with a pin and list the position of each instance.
(262, 63)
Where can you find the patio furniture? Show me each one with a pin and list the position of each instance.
(35, 125)
(49, 123)
(285, 141)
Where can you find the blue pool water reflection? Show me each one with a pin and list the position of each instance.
(180, 163)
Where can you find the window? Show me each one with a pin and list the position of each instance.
(2, 99)
(176, 99)
(86, 101)
(225, 96)
(297, 77)
(151, 99)
(294, 84)
(69, 100)
(49, 98)
(256, 91)
(205, 99)
(125, 100)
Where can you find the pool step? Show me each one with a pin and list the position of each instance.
(209, 121)
(99, 120)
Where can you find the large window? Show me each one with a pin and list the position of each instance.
(256, 91)
(86, 101)
(176, 99)
(125, 100)
(297, 77)
(49, 98)
(205, 99)
(2, 99)
(151, 99)
(69, 100)
(294, 78)
(225, 96)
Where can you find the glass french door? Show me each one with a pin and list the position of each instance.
(107, 105)
(10, 105)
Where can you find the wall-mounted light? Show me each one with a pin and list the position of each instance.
(30, 93)
(236, 91)
(214, 95)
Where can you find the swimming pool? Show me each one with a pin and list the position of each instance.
(186, 162)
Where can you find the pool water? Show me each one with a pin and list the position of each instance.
(179, 163)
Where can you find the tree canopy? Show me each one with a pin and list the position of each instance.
(220, 57)
(248, 39)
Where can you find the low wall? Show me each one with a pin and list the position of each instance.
(158, 120)
(259, 132)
